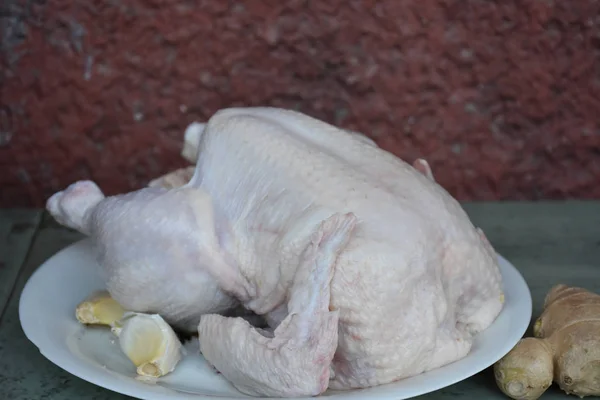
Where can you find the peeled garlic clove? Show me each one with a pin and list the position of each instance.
(99, 309)
(150, 343)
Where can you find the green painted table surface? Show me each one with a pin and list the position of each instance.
(549, 242)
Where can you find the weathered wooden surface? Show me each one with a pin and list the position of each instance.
(17, 228)
(548, 242)
(24, 373)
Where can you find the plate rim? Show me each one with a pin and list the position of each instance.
(73, 366)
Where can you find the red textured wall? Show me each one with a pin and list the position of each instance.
(502, 97)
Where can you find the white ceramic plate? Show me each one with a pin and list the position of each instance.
(47, 313)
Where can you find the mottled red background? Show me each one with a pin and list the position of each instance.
(502, 97)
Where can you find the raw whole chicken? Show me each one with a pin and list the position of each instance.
(366, 270)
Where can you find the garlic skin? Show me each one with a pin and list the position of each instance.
(149, 342)
(99, 309)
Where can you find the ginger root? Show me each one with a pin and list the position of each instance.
(565, 349)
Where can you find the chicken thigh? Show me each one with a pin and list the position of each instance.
(366, 270)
